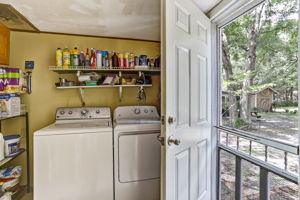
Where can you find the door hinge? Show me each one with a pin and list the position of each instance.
(161, 139)
(162, 120)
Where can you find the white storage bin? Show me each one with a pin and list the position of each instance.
(12, 145)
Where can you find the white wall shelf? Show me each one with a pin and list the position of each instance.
(6, 160)
(74, 70)
(103, 86)
(71, 70)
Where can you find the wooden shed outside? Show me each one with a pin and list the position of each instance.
(263, 98)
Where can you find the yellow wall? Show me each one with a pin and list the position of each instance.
(45, 98)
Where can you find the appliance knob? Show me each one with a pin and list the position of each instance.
(70, 112)
(97, 111)
(137, 111)
(84, 112)
(146, 111)
(62, 112)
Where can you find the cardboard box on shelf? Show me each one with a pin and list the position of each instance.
(10, 105)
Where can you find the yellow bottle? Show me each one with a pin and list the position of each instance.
(66, 58)
(59, 57)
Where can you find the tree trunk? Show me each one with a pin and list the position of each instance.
(291, 93)
(250, 65)
(233, 112)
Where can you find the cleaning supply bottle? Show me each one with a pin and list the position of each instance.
(93, 59)
(76, 57)
(87, 58)
(126, 60)
(131, 60)
(1, 147)
(99, 59)
(104, 59)
(66, 58)
(59, 57)
(71, 58)
(81, 59)
(115, 60)
(121, 61)
(111, 60)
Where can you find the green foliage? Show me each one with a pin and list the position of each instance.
(225, 123)
(239, 123)
(257, 109)
(286, 104)
(276, 49)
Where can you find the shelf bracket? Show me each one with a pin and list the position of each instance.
(81, 91)
(120, 93)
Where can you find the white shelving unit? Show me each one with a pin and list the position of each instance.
(69, 70)
(6, 160)
(73, 70)
(103, 86)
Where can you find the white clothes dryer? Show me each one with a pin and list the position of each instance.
(73, 158)
(136, 153)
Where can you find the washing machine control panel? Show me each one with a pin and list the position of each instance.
(136, 113)
(83, 113)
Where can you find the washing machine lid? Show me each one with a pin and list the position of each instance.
(136, 115)
(75, 127)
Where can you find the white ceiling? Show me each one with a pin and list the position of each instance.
(206, 5)
(136, 19)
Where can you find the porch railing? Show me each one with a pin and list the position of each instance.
(265, 166)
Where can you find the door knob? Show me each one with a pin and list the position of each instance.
(171, 141)
(171, 120)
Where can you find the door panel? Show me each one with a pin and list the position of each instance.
(182, 18)
(186, 96)
(202, 168)
(201, 32)
(182, 175)
(199, 80)
(203, 88)
(182, 72)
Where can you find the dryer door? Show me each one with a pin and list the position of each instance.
(139, 157)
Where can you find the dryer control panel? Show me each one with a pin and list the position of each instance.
(138, 113)
(83, 113)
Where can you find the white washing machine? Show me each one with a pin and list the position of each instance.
(136, 153)
(73, 158)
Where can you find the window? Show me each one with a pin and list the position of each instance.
(259, 115)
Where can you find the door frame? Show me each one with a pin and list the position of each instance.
(221, 16)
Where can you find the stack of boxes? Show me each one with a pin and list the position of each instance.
(12, 83)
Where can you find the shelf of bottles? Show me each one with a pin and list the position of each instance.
(101, 61)
(104, 62)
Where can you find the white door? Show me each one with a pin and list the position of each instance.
(186, 94)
